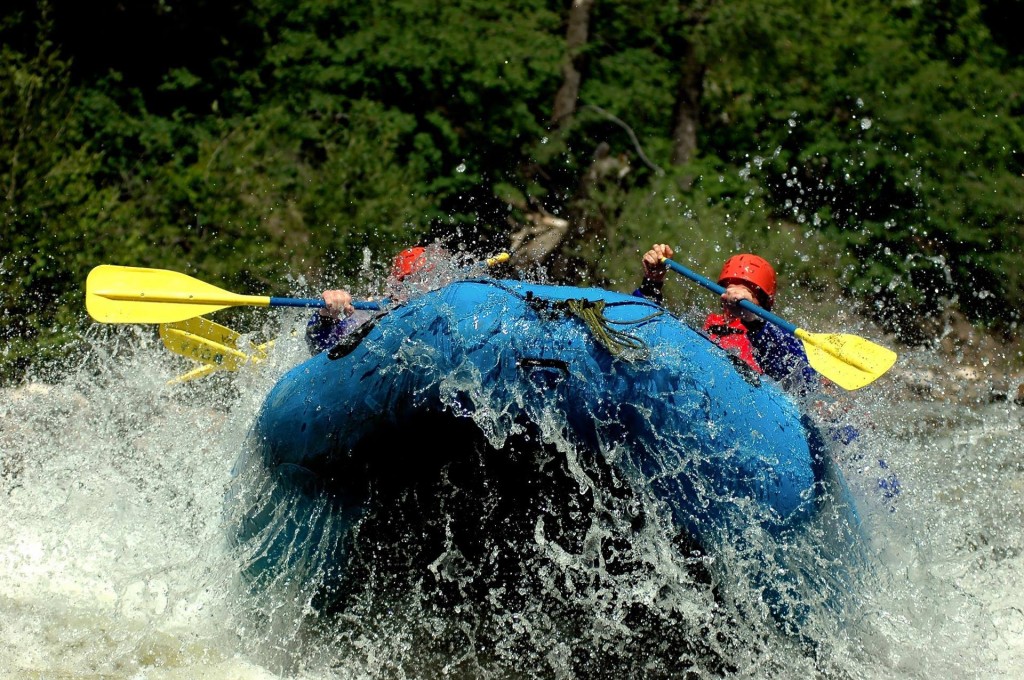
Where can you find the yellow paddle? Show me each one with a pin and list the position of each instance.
(847, 360)
(115, 294)
(199, 372)
(210, 343)
(216, 346)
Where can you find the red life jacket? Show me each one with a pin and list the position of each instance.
(731, 335)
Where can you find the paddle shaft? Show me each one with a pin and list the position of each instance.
(313, 302)
(186, 297)
(743, 304)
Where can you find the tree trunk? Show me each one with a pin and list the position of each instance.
(575, 41)
(688, 96)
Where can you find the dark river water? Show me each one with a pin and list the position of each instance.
(114, 563)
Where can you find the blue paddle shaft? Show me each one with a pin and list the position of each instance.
(358, 304)
(744, 304)
(318, 302)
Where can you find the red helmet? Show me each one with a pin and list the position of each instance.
(753, 271)
(408, 262)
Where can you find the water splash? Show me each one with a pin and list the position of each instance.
(115, 560)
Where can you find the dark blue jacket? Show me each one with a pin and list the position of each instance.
(323, 332)
(782, 357)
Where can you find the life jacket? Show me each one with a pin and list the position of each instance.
(731, 335)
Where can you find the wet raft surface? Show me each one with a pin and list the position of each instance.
(497, 461)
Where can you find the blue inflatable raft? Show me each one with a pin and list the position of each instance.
(582, 372)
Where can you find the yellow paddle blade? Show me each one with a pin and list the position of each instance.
(209, 343)
(201, 349)
(195, 373)
(115, 294)
(849, 361)
(497, 259)
(212, 334)
(205, 328)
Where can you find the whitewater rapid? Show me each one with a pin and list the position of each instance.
(114, 562)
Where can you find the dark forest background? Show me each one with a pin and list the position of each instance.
(873, 150)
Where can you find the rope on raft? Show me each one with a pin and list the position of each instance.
(618, 343)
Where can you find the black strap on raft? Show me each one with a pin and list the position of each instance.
(557, 364)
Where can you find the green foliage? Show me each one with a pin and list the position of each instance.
(474, 102)
(868, 148)
(894, 138)
(51, 204)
